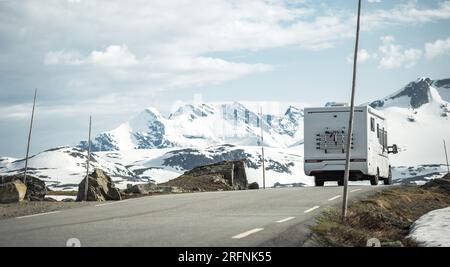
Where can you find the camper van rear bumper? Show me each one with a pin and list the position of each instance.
(338, 175)
(330, 166)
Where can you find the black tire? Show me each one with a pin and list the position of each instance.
(318, 181)
(340, 182)
(374, 180)
(388, 181)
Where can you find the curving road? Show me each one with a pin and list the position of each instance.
(272, 217)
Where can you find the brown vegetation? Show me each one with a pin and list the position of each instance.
(387, 216)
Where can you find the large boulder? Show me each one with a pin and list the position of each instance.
(233, 172)
(12, 192)
(142, 189)
(36, 188)
(101, 188)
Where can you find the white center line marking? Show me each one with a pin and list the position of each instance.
(355, 190)
(111, 203)
(311, 209)
(285, 220)
(245, 234)
(334, 198)
(39, 214)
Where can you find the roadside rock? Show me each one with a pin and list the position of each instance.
(253, 186)
(36, 188)
(12, 192)
(143, 189)
(101, 188)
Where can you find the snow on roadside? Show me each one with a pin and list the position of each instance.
(60, 198)
(433, 229)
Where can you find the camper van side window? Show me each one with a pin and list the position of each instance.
(372, 124)
(378, 130)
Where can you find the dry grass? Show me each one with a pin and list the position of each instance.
(387, 216)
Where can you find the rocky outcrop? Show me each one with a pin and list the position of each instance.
(100, 188)
(253, 186)
(36, 188)
(143, 189)
(12, 192)
(233, 172)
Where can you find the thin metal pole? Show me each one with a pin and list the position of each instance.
(446, 156)
(232, 175)
(29, 139)
(350, 122)
(86, 185)
(262, 152)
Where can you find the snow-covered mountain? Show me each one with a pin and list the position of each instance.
(418, 121)
(63, 168)
(153, 147)
(202, 126)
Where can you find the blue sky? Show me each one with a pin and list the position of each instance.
(114, 58)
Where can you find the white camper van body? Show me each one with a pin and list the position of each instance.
(326, 131)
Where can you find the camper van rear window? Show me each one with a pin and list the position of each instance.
(372, 124)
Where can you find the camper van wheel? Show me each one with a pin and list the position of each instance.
(388, 181)
(340, 182)
(375, 179)
(318, 181)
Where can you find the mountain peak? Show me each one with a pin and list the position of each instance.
(417, 93)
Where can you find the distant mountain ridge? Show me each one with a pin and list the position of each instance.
(202, 125)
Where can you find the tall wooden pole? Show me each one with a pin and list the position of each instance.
(262, 152)
(29, 139)
(86, 185)
(350, 123)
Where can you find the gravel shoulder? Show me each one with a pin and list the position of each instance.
(35, 207)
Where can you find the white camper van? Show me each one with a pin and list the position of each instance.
(325, 144)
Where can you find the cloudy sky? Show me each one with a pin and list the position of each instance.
(113, 58)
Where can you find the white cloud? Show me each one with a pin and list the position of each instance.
(395, 56)
(363, 56)
(406, 14)
(438, 48)
(113, 56)
(163, 70)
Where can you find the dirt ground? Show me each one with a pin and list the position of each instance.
(34, 207)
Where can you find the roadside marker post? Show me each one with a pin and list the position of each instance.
(29, 139)
(262, 151)
(446, 156)
(86, 185)
(350, 124)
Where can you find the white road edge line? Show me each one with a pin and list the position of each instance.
(39, 214)
(334, 198)
(111, 203)
(355, 190)
(311, 209)
(245, 234)
(285, 220)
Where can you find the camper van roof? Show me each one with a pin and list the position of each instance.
(370, 110)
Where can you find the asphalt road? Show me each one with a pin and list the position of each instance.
(272, 217)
